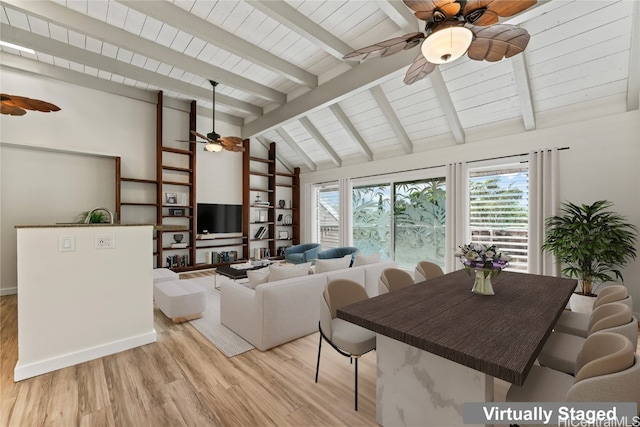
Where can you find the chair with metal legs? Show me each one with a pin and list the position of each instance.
(346, 338)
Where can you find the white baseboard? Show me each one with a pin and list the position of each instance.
(8, 291)
(24, 371)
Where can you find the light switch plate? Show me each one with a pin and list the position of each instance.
(67, 243)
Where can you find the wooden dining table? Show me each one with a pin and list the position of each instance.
(439, 345)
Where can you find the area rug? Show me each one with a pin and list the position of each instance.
(209, 324)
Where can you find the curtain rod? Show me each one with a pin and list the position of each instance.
(439, 166)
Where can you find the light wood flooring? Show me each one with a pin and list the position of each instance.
(183, 380)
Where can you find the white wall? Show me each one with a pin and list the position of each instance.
(102, 126)
(80, 305)
(601, 163)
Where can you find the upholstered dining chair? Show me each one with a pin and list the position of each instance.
(560, 350)
(426, 270)
(346, 338)
(393, 279)
(607, 370)
(574, 323)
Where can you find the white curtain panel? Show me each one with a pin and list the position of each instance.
(346, 218)
(543, 202)
(457, 222)
(308, 202)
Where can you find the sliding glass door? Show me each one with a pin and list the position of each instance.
(372, 219)
(419, 222)
(403, 221)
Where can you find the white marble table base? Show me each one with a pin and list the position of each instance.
(415, 387)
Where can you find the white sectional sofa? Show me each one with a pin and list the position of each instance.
(281, 311)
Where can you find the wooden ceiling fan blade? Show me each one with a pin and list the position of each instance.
(490, 10)
(231, 141)
(419, 69)
(190, 141)
(386, 47)
(11, 110)
(28, 103)
(497, 42)
(423, 9)
(199, 135)
(234, 148)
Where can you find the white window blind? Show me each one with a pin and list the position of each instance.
(498, 212)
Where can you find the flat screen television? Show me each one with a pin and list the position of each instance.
(218, 218)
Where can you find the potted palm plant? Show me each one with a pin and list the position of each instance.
(591, 242)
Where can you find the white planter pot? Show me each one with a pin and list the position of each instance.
(581, 304)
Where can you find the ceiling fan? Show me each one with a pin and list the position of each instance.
(213, 141)
(453, 28)
(14, 105)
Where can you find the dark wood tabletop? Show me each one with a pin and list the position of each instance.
(500, 335)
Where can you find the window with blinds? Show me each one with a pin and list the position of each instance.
(499, 210)
(328, 215)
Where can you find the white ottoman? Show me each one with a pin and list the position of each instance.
(164, 275)
(180, 300)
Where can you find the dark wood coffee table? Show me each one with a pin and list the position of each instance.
(234, 273)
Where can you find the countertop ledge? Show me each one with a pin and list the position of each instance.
(73, 225)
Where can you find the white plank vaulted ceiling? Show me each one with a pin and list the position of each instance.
(282, 77)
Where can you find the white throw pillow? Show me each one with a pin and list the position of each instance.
(324, 265)
(257, 277)
(287, 271)
(366, 259)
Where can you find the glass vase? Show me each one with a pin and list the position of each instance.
(482, 283)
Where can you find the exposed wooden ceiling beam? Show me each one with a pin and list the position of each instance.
(289, 16)
(104, 63)
(320, 139)
(446, 103)
(295, 147)
(68, 18)
(351, 130)
(392, 118)
(633, 84)
(360, 78)
(39, 68)
(177, 17)
(400, 14)
(521, 73)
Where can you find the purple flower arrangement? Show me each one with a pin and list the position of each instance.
(476, 256)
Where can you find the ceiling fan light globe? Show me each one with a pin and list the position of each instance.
(447, 44)
(213, 147)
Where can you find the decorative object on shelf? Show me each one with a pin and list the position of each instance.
(287, 220)
(176, 212)
(171, 198)
(591, 242)
(485, 261)
(178, 242)
(281, 203)
(262, 215)
(283, 235)
(280, 217)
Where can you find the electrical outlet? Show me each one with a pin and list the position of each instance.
(105, 241)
